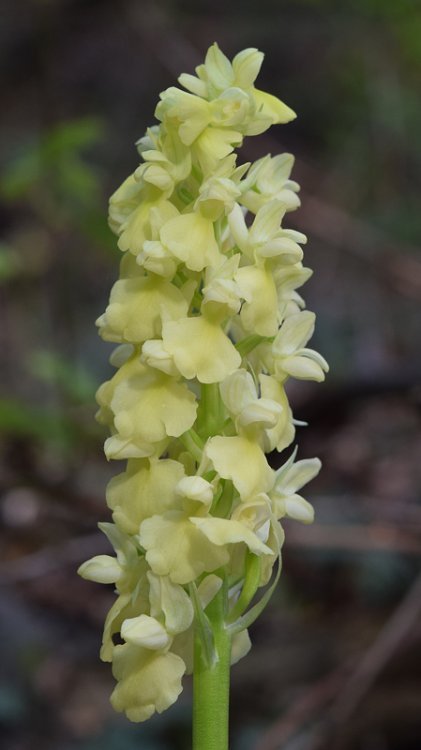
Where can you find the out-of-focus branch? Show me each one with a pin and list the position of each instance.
(349, 692)
(311, 702)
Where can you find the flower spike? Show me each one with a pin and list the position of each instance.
(209, 327)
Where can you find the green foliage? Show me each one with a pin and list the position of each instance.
(73, 381)
(57, 155)
(10, 263)
(19, 420)
(52, 176)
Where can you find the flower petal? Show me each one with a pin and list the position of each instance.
(144, 489)
(283, 433)
(294, 333)
(137, 308)
(246, 65)
(200, 349)
(175, 547)
(191, 238)
(102, 569)
(297, 475)
(241, 645)
(273, 108)
(148, 681)
(170, 599)
(259, 313)
(242, 461)
(148, 406)
(222, 531)
(145, 631)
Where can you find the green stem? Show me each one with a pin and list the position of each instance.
(249, 343)
(211, 683)
(193, 444)
(210, 410)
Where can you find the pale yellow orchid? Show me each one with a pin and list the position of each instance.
(145, 488)
(290, 478)
(200, 348)
(288, 355)
(138, 307)
(209, 326)
(218, 75)
(265, 418)
(146, 408)
(147, 680)
(269, 179)
(267, 246)
(242, 461)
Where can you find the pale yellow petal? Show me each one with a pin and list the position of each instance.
(145, 631)
(303, 367)
(200, 349)
(143, 490)
(148, 681)
(242, 461)
(148, 406)
(215, 144)
(241, 645)
(189, 114)
(259, 313)
(271, 107)
(175, 547)
(294, 333)
(191, 238)
(246, 65)
(218, 68)
(102, 569)
(283, 433)
(170, 599)
(138, 306)
(222, 531)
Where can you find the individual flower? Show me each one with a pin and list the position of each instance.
(187, 541)
(146, 408)
(288, 355)
(241, 460)
(290, 478)
(265, 416)
(147, 680)
(138, 306)
(269, 179)
(267, 246)
(146, 487)
(200, 348)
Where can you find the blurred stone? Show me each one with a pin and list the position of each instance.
(20, 507)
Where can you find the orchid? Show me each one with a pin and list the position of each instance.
(209, 327)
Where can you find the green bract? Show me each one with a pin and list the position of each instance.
(209, 326)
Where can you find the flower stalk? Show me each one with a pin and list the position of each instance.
(209, 326)
(211, 683)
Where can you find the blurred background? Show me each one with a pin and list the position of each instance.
(337, 655)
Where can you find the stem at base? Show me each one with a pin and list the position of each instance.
(211, 684)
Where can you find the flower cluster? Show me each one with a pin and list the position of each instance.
(209, 327)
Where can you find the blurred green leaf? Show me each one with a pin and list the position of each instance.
(10, 263)
(54, 174)
(72, 137)
(18, 420)
(21, 173)
(75, 382)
